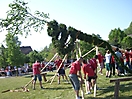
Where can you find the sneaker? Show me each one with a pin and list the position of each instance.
(91, 88)
(78, 97)
(97, 88)
(101, 74)
(88, 93)
(42, 87)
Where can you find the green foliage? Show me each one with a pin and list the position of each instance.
(19, 20)
(14, 55)
(85, 47)
(116, 36)
(34, 55)
(58, 31)
(126, 42)
(3, 54)
(128, 31)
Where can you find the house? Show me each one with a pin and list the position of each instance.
(26, 49)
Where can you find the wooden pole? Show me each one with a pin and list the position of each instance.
(58, 69)
(41, 70)
(49, 62)
(95, 85)
(89, 52)
(81, 85)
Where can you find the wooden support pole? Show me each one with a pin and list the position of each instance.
(58, 69)
(116, 94)
(89, 52)
(49, 62)
(41, 70)
(95, 85)
(78, 51)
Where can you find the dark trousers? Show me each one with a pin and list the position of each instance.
(112, 68)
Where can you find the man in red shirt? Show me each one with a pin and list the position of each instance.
(112, 63)
(100, 59)
(61, 71)
(131, 57)
(36, 73)
(93, 62)
(89, 74)
(75, 72)
(127, 56)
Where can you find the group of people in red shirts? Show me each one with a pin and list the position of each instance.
(89, 68)
(90, 74)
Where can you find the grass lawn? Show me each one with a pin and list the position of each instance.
(62, 91)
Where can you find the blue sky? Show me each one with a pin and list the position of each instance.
(89, 16)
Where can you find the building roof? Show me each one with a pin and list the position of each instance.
(26, 49)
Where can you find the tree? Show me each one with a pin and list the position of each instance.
(116, 36)
(34, 55)
(126, 42)
(3, 57)
(14, 55)
(128, 31)
(19, 20)
(85, 47)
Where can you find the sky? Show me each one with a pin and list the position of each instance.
(89, 16)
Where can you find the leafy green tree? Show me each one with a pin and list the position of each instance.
(126, 42)
(14, 55)
(128, 31)
(45, 52)
(85, 47)
(34, 55)
(20, 20)
(116, 36)
(3, 57)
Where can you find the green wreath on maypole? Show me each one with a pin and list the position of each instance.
(63, 39)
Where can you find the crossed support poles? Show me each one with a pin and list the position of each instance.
(58, 69)
(41, 70)
(95, 85)
(78, 52)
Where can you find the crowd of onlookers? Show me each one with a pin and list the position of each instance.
(14, 70)
(112, 65)
(21, 70)
(103, 61)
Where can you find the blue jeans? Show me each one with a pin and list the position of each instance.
(39, 77)
(128, 64)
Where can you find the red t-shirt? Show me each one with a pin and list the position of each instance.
(112, 59)
(93, 63)
(127, 55)
(75, 66)
(88, 70)
(42, 65)
(100, 58)
(58, 62)
(131, 56)
(36, 67)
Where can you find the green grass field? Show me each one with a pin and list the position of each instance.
(62, 91)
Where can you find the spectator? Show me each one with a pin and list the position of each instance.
(119, 55)
(108, 65)
(112, 62)
(127, 57)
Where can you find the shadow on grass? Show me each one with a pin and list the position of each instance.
(123, 88)
(58, 88)
(109, 97)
